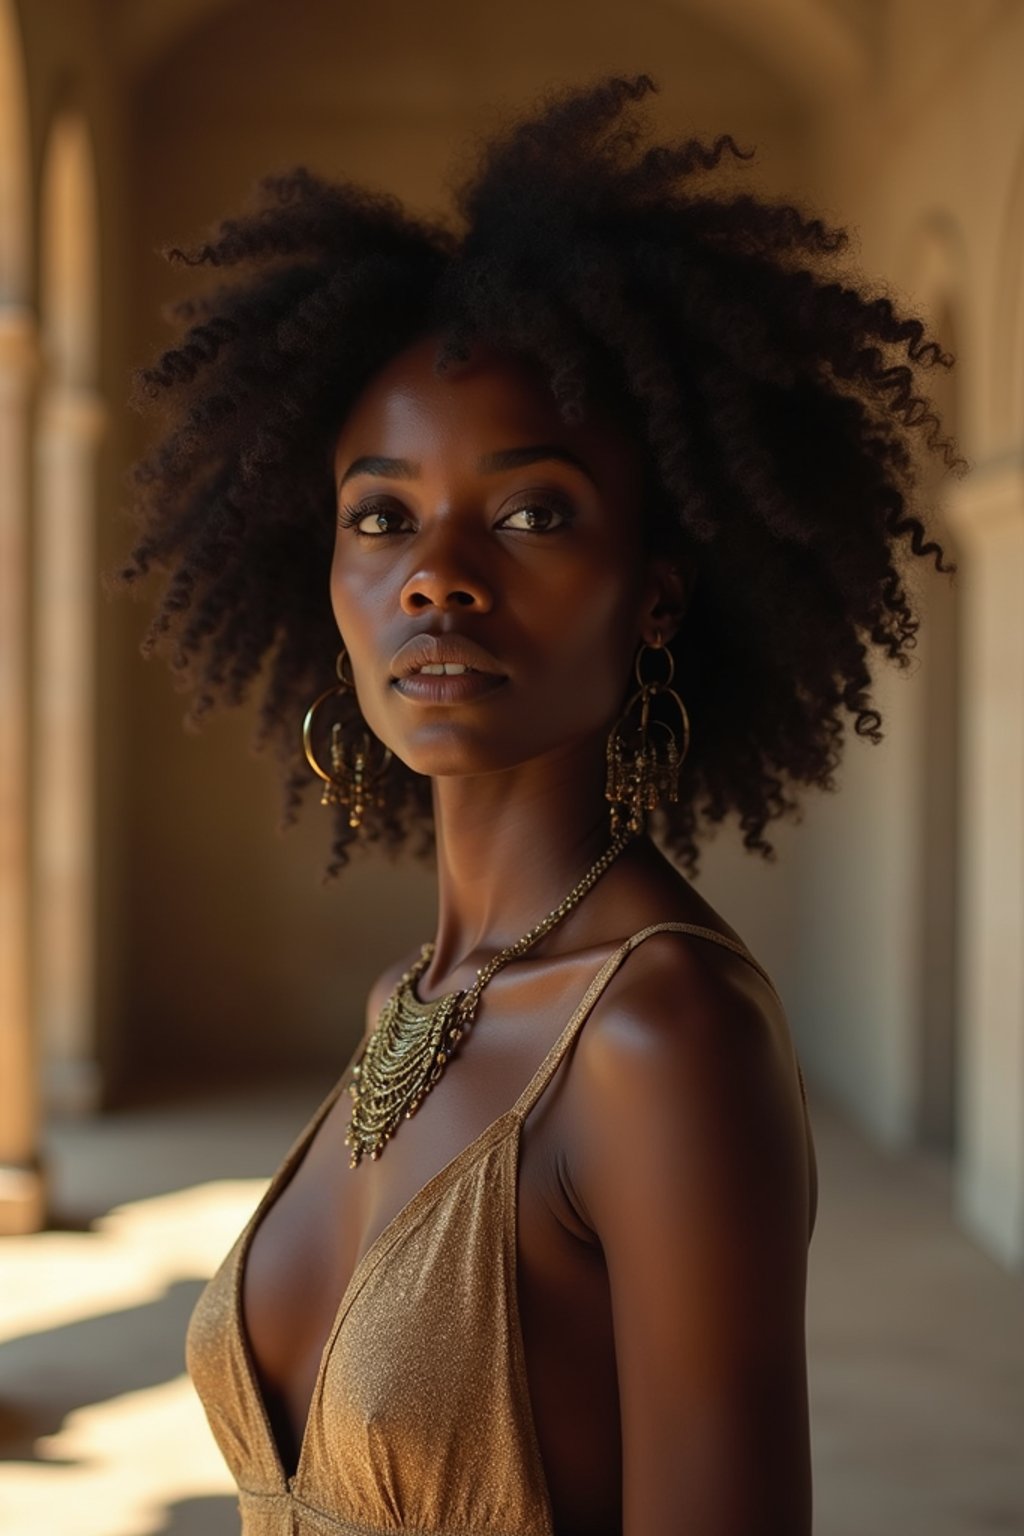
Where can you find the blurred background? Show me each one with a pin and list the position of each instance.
(178, 990)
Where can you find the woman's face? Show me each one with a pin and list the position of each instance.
(469, 510)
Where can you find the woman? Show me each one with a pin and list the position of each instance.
(610, 488)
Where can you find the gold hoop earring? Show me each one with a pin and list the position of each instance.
(639, 775)
(354, 781)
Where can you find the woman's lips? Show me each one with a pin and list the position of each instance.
(448, 649)
(446, 688)
(446, 668)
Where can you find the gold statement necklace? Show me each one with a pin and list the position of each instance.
(413, 1042)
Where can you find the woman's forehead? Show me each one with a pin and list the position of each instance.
(495, 399)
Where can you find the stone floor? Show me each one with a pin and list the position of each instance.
(915, 1337)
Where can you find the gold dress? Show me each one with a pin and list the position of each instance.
(420, 1420)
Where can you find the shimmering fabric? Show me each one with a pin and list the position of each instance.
(420, 1420)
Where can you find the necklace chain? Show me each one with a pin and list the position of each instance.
(412, 1042)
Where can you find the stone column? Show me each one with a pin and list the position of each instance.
(70, 420)
(987, 512)
(22, 1193)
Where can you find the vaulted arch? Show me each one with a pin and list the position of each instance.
(818, 50)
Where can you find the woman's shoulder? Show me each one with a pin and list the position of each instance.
(688, 1053)
(684, 1083)
(681, 947)
(689, 1022)
(684, 987)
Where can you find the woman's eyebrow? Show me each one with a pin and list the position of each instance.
(491, 463)
(375, 464)
(513, 458)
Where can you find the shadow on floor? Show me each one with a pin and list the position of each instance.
(203, 1517)
(46, 1376)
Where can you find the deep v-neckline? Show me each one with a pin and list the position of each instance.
(375, 1251)
(509, 1120)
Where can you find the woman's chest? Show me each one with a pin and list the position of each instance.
(321, 1225)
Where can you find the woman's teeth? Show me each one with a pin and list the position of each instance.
(449, 667)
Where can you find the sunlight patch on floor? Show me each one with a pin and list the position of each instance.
(118, 1467)
(115, 1467)
(128, 1257)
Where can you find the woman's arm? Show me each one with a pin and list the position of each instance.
(691, 1166)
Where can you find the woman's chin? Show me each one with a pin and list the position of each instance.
(450, 762)
(450, 749)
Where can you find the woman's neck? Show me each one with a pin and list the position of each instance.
(510, 846)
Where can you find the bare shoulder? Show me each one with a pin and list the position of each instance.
(682, 1002)
(689, 1054)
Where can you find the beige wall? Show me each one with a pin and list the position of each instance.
(929, 168)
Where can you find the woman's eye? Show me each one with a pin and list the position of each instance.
(536, 518)
(375, 519)
(369, 519)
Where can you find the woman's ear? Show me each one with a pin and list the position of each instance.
(666, 596)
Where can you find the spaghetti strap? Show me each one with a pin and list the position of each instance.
(536, 1086)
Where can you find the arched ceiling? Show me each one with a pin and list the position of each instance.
(817, 49)
(820, 48)
(146, 33)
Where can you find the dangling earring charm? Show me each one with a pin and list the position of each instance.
(354, 781)
(639, 774)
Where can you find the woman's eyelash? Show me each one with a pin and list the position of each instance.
(349, 516)
(562, 513)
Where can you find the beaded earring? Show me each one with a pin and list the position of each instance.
(643, 769)
(354, 780)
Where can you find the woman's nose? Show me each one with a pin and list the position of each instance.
(444, 580)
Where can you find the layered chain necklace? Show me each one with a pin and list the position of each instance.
(413, 1042)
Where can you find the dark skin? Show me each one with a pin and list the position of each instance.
(662, 1263)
